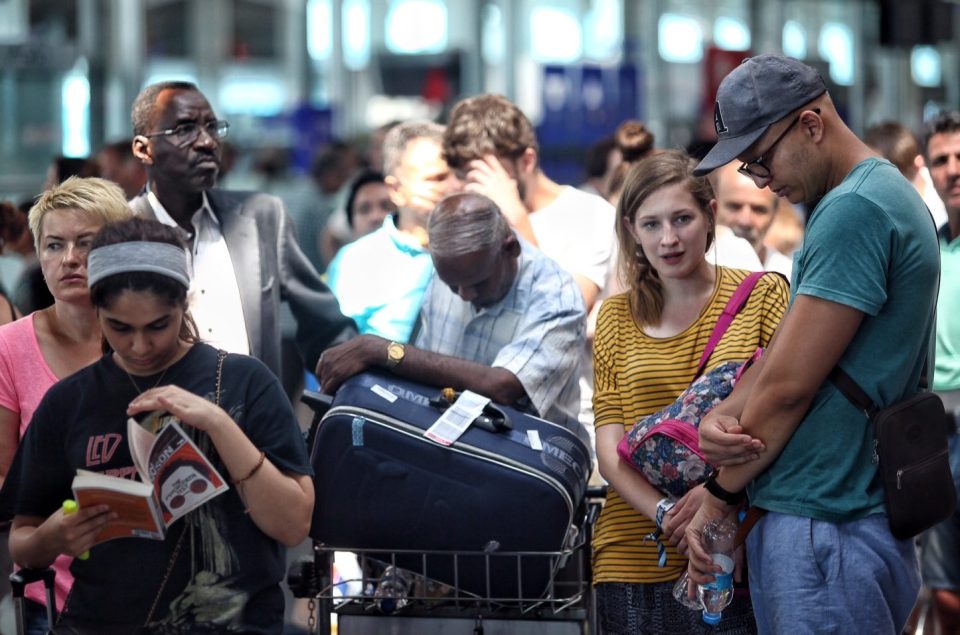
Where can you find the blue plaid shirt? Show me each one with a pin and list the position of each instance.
(536, 332)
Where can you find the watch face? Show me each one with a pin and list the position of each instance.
(394, 353)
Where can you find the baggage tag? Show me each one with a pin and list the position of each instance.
(457, 418)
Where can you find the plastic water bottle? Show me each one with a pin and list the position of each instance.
(393, 590)
(718, 540)
(680, 593)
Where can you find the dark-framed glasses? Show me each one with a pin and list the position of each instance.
(187, 133)
(757, 168)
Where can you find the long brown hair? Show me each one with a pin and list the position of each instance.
(651, 174)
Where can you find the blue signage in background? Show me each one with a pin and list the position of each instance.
(311, 128)
(582, 104)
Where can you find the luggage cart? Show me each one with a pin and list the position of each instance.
(567, 607)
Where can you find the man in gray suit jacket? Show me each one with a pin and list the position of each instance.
(245, 256)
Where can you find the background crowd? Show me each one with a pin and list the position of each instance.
(444, 252)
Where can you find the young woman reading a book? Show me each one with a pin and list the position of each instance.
(50, 344)
(648, 343)
(219, 568)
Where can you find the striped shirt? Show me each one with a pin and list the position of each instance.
(637, 375)
(536, 332)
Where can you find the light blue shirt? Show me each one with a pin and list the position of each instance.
(380, 280)
(536, 332)
(946, 376)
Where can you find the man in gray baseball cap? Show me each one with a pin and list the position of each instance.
(760, 92)
(864, 297)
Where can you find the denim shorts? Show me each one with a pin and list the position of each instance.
(811, 576)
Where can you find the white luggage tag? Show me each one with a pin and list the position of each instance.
(457, 418)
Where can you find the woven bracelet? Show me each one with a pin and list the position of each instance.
(253, 471)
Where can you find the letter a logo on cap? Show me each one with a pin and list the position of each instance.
(718, 119)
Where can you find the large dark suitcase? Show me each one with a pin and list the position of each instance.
(381, 484)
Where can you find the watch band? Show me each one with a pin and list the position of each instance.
(663, 507)
(730, 498)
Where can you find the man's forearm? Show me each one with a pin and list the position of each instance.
(435, 369)
(772, 416)
(734, 404)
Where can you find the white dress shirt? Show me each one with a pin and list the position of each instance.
(214, 295)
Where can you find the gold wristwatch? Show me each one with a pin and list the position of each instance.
(394, 354)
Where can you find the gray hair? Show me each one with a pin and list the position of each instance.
(141, 115)
(466, 223)
(396, 141)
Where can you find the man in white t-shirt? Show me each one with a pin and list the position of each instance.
(749, 212)
(492, 147)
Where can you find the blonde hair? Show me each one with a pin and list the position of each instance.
(651, 174)
(94, 197)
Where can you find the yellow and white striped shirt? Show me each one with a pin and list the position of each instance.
(637, 375)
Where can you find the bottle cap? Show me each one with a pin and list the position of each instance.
(711, 618)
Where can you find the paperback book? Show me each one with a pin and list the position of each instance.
(176, 478)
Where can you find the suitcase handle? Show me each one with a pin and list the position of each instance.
(492, 419)
(319, 402)
(20, 579)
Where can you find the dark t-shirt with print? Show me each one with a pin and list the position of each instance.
(227, 572)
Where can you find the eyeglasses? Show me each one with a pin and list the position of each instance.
(757, 168)
(187, 133)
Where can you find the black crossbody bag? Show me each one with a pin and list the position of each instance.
(910, 449)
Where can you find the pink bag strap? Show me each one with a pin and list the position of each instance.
(734, 306)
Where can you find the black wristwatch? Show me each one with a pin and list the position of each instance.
(730, 498)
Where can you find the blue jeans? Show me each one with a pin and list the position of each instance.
(812, 576)
(940, 545)
(35, 618)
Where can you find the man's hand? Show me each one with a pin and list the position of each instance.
(354, 356)
(676, 520)
(701, 567)
(487, 176)
(723, 442)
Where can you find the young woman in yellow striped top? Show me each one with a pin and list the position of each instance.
(648, 342)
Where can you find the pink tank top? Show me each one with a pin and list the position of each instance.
(25, 378)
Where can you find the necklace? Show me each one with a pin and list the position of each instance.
(157, 383)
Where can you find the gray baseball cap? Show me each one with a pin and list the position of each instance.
(761, 91)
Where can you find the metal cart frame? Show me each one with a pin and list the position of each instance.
(567, 606)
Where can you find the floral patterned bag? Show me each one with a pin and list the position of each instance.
(664, 447)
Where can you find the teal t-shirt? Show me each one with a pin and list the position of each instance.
(379, 281)
(947, 373)
(870, 244)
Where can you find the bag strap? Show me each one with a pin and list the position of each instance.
(734, 305)
(221, 355)
(857, 396)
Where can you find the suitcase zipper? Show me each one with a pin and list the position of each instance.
(916, 466)
(414, 431)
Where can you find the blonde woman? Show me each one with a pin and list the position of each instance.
(47, 345)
